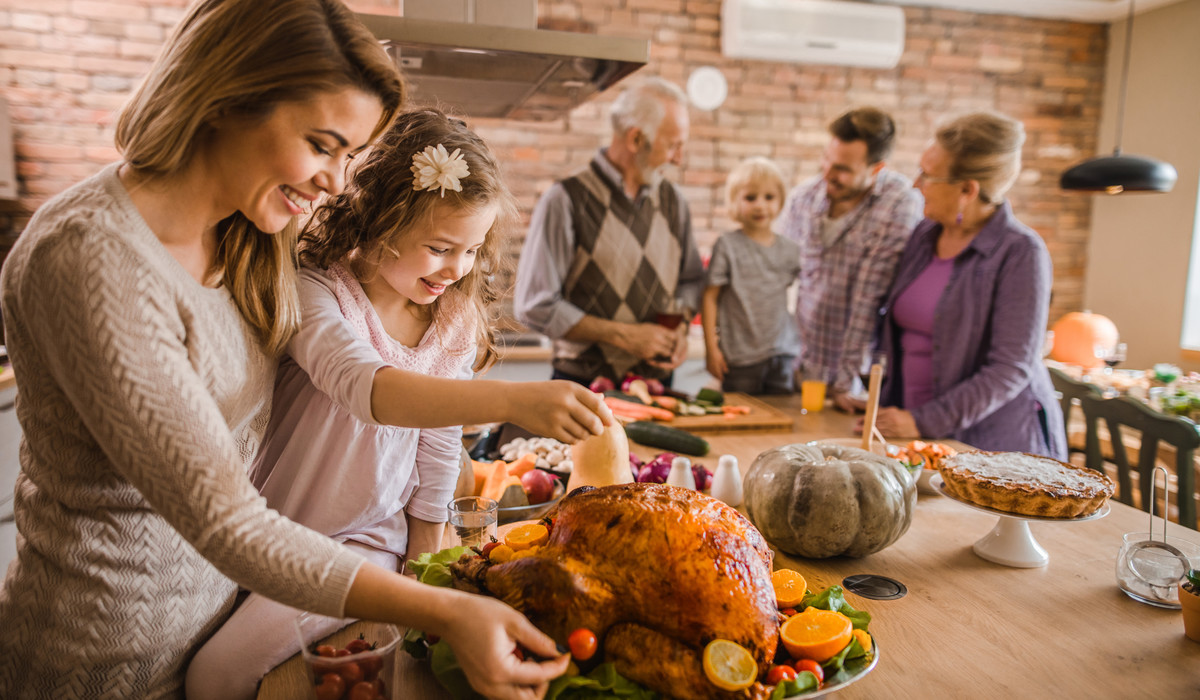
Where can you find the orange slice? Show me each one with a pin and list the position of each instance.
(526, 536)
(816, 634)
(790, 587)
(729, 665)
(864, 639)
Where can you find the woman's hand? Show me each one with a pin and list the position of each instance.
(485, 633)
(896, 422)
(559, 409)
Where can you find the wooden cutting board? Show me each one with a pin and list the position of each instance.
(760, 417)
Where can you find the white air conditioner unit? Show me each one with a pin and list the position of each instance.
(813, 31)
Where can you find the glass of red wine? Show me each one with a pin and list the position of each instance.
(1111, 355)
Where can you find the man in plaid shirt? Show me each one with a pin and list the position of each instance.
(851, 223)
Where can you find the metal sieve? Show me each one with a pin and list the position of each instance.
(1146, 559)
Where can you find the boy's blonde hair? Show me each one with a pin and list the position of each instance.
(756, 170)
(244, 58)
(379, 209)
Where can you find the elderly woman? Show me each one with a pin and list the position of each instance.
(965, 319)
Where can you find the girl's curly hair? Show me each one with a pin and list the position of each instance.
(379, 208)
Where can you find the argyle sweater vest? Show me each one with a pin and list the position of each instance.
(625, 267)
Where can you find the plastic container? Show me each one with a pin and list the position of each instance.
(375, 666)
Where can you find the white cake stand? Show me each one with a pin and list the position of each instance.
(1010, 542)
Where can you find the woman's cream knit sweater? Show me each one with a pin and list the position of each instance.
(142, 397)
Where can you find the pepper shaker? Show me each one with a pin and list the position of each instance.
(681, 473)
(727, 481)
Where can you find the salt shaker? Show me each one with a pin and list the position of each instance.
(681, 473)
(727, 481)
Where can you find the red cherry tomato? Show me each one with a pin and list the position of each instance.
(371, 666)
(487, 549)
(363, 691)
(331, 687)
(433, 638)
(780, 673)
(358, 645)
(325, 650)
(351, 672)
(339, 653)
(519, 653)
(582, 643)
(788, 611)
(812, 667)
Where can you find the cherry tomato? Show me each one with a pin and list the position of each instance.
(788, 611)
(331, 687)
(812, 667)
(363, 691)
(432, 638)
(358, 645)
(371, 666)
(582, 643)
(339, 653)
(519, 653)
(780, 673)
(351, 672)
(487, 548)
(325, 650)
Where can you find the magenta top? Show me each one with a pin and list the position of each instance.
(914, 312)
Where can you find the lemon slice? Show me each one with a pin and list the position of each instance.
(729, 665)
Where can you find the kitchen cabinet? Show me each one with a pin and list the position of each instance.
(8, 163)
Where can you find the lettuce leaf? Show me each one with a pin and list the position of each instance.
(805, 682)
(434, 567)
(832, 598)
(601, 682)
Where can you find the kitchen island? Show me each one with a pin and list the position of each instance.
(967, 628)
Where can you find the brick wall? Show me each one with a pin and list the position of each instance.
(66, 66)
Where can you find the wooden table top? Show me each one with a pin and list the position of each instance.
(968, 627)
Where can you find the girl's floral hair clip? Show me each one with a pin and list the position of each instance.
(435, 169)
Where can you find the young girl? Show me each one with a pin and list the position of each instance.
(749, 337)
(398, 275)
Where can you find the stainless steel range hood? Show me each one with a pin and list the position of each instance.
(479, 70)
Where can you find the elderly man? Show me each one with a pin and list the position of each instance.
(610, 255)
(851, 222)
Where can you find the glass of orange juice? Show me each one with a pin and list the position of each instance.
(812, 395)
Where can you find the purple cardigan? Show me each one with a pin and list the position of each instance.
(992, 389)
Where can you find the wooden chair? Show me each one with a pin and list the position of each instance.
(1153, 427)
(1071, 391)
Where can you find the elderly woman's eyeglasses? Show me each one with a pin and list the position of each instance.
(933, 179)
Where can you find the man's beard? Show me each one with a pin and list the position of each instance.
(650, 175)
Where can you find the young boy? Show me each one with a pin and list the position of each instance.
(749, 337)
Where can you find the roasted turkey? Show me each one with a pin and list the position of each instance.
(657, 572)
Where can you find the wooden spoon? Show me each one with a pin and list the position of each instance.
(872, 406)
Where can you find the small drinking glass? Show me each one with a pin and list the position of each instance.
(474, 519)
(1110, 355)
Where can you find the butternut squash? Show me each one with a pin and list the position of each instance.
(601, 460)
(493, 485)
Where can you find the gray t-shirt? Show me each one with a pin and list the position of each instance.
(753, 322)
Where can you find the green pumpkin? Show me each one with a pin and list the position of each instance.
(819, 500)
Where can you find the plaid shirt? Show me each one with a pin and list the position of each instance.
(842, 287)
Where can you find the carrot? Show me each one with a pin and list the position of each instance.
(667, 402)
(729, 410)
(637, 409)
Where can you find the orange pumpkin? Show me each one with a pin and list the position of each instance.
(1077, 334)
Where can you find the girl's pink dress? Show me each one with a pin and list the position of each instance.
(327, 464)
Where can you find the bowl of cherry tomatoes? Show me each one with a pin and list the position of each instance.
(348, 659)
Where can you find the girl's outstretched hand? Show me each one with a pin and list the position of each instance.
(485, 633)
(559, 409)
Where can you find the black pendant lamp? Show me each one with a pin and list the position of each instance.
(1120, 173)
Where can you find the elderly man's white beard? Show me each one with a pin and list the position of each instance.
(650, 175)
